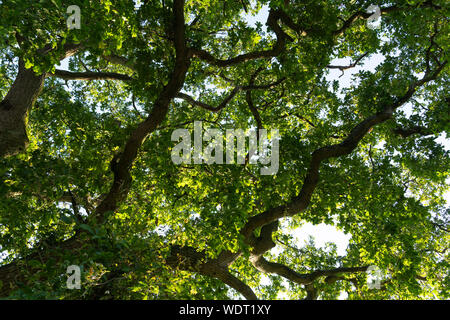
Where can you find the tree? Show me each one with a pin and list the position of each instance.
(87, 177)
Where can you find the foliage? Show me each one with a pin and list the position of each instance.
(387, 192)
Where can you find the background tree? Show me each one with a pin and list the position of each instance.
(87, 177)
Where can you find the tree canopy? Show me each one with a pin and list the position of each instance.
(87, 178)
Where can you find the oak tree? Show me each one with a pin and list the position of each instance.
(86, 176)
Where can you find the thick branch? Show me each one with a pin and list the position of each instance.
(121, 163)
(187, 258)
(301, 201)
(236, 284)
(20, 99)
(14, 109)
(300, 278)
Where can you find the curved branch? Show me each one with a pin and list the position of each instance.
(206, 106)
(189, 259)
(228, 98)
(265, 266)
(272, 23)
(122, 162)
(302, 200)
(236, 284)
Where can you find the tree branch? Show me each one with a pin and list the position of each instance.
(228, 98)
(115, 59)
(189, 259)
(302, 200)
(364, 15)
(272, 23)
(351, 65)
(122, 162)
(206, 106)
(406, 132)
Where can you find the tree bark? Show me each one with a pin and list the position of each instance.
(14, 110)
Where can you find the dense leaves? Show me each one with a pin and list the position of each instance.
(96, 185)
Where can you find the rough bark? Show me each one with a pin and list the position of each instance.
(19, 100)
(187, 258)
(14, 110)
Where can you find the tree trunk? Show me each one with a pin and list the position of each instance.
(14, 110)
